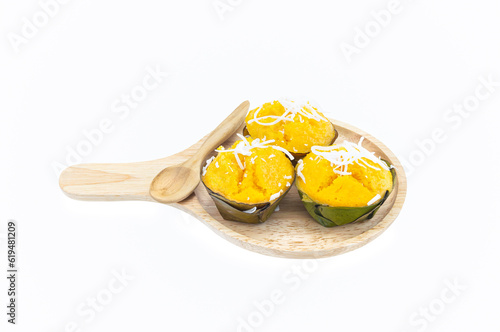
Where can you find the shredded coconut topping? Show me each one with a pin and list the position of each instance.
(374, 199)
(342, 155)
(244, 148)
(206, 166)
(292, 108)
(252, 210)
(300, 167)
(274, 196)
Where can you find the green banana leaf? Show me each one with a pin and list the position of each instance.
(231, 210)
(330, 216)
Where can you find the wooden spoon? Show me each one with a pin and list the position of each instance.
(175, 183)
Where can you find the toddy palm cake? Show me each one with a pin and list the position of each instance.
(248, 180)
(343, 183)
(293, 125)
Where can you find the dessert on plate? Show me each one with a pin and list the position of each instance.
(343, 183)
(293, 125)
(248, 180)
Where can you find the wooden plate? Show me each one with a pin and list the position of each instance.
(291, 232)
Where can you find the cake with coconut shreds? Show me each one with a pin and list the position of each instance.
(343, 183)
(248, 180)
(293, 125)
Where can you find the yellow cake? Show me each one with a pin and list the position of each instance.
(343, 175)
(250, 172)
(292, 125)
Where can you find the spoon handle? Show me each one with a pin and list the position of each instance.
(111, 182)
(220, 134)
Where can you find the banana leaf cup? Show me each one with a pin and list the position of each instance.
(241, 179)
(330, 216)
(242, 212)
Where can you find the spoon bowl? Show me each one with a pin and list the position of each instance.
(176, 183)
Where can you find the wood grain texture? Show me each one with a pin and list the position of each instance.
(290, 232)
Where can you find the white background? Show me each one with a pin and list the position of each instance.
(66, 77)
